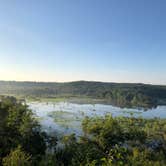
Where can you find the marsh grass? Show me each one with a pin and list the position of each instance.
(66, 119)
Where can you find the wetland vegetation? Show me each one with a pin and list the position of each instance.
(105, 140)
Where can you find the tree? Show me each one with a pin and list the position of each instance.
(17, 157)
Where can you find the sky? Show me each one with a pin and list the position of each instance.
(94, 40)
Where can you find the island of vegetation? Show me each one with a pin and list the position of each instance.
(106, 141)
(118, 94)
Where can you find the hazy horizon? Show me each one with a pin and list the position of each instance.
(64, 41)
(79, 81)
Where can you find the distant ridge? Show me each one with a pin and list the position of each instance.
(81, 81)
(120, 94)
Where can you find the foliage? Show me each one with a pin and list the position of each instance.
(118, 141)
(18, 127)
(107, 141)
(123, 95)
(17, 157)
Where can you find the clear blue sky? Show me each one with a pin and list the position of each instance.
(68, 40)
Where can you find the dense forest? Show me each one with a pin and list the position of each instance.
(119, 94)
(107, 141)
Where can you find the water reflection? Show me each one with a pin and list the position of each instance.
(65, 118)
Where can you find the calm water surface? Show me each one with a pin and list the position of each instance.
(65, 118)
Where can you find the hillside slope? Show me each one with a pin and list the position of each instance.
(121, 94)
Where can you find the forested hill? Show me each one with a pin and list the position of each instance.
(122, 94)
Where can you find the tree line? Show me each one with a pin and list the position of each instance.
(118, 94)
